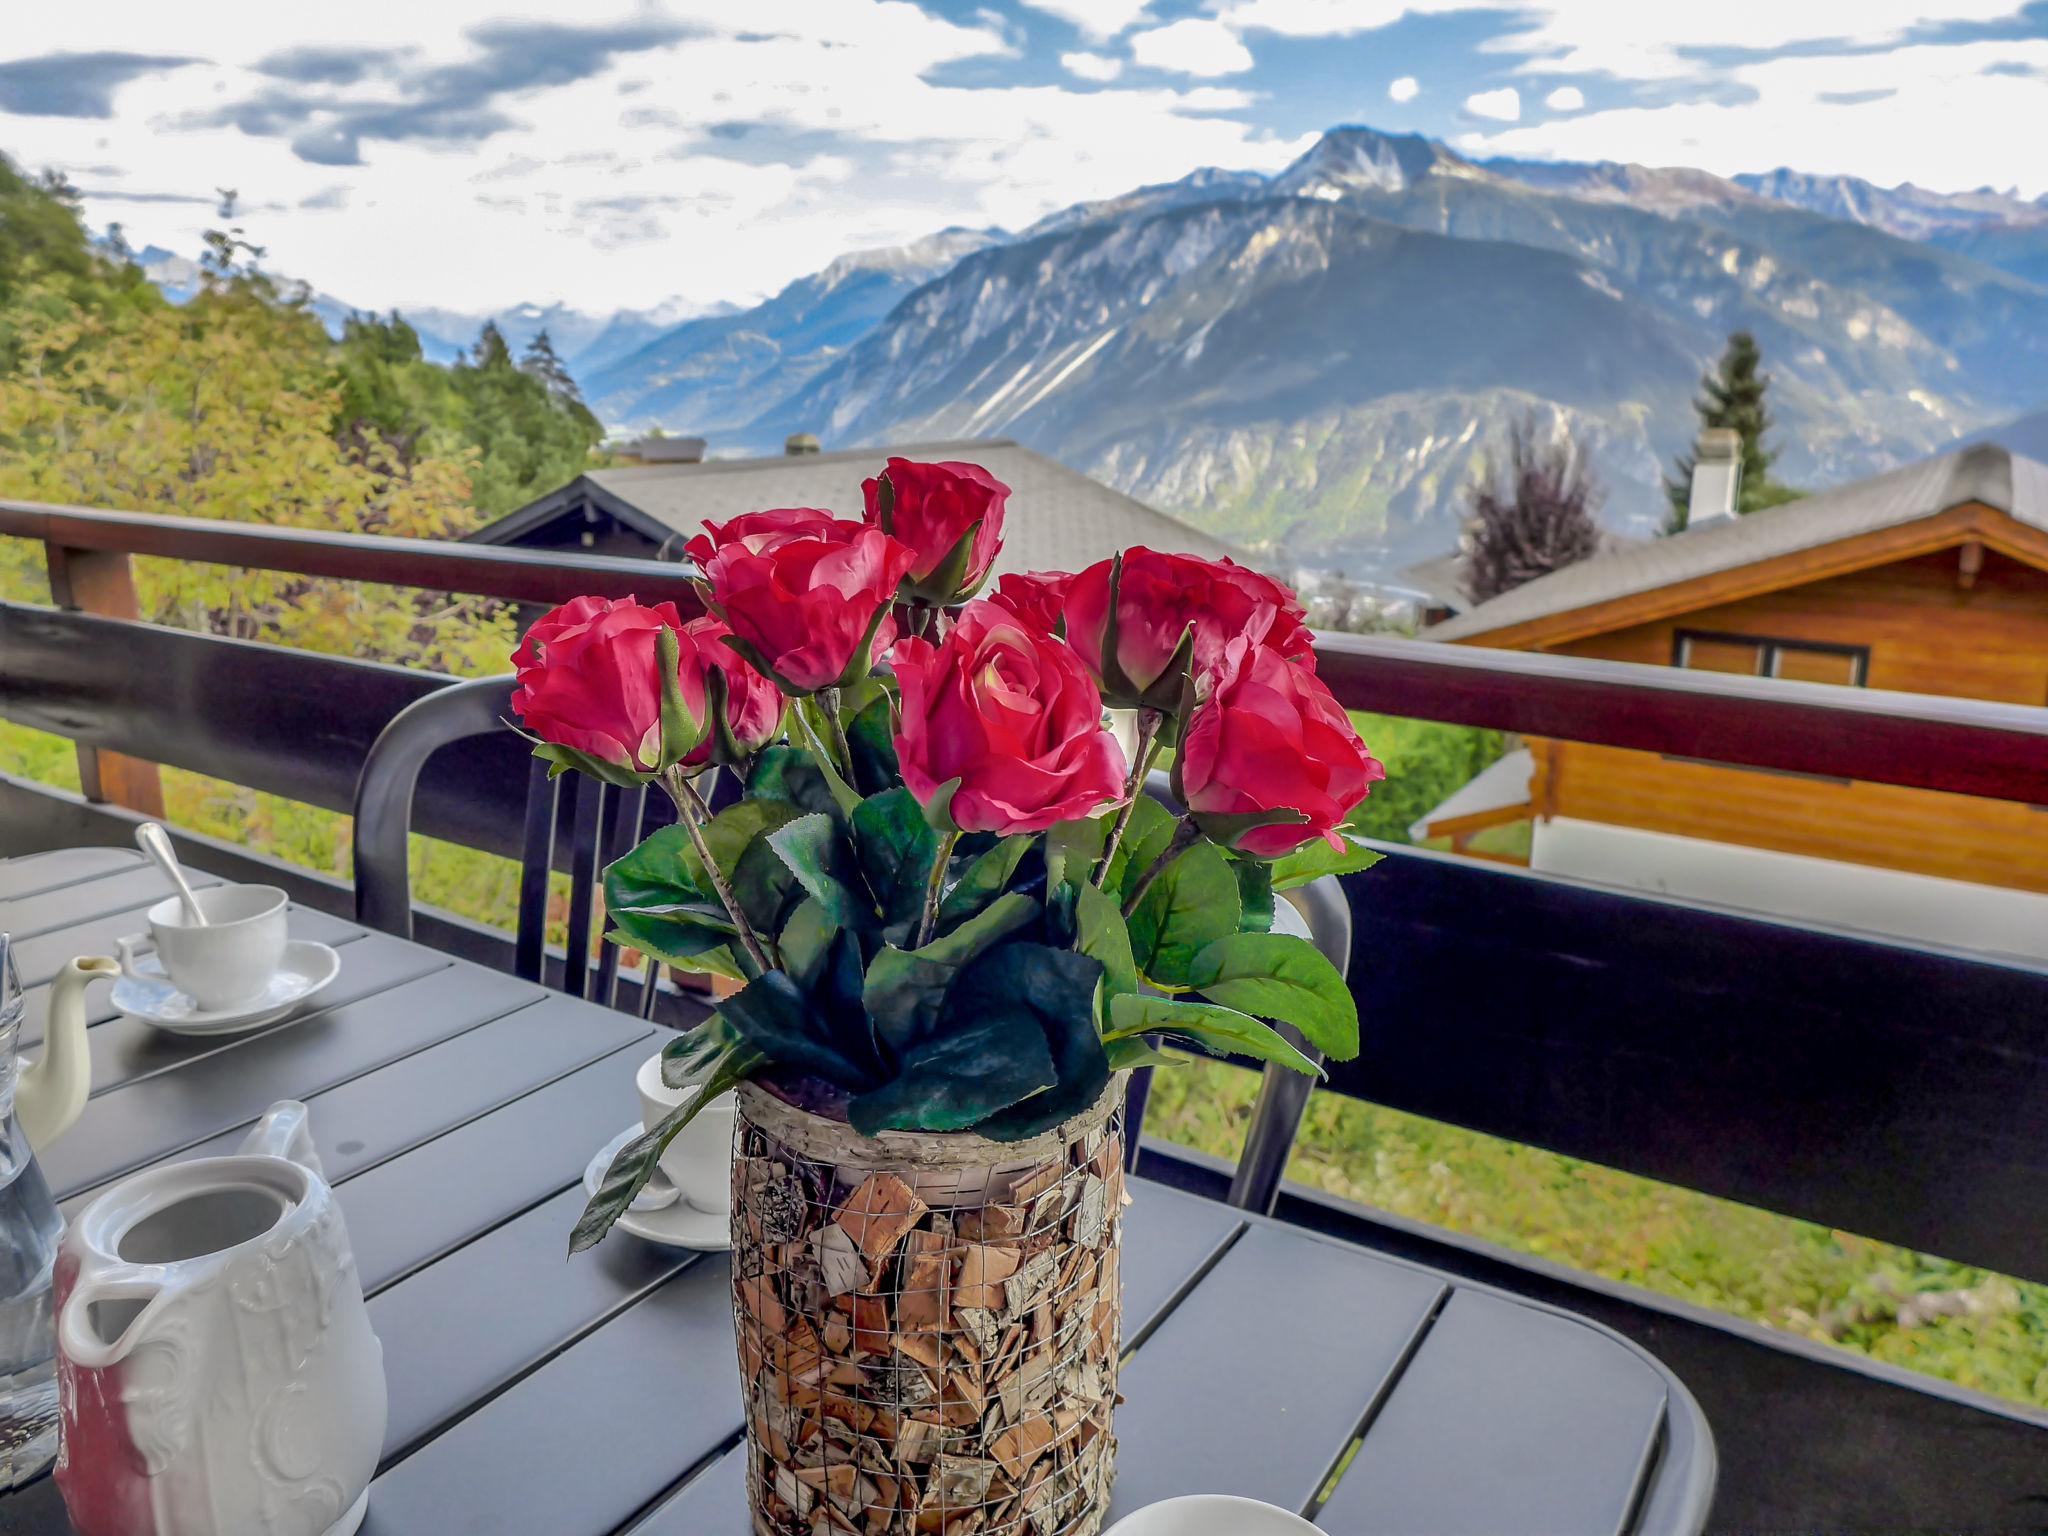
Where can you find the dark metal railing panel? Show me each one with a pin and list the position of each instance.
(1967, 746)
(1894, 1091)
(520, 575)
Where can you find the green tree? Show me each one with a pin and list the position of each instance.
(1734, 398)
(529, 439)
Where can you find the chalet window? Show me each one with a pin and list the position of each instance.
(1758, 656)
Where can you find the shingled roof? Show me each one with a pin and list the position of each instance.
(1058, 519)
(1988, 473)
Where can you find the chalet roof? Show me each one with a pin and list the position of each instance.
(1058, 519)
(1503, 785)
(1987, 473)
(1445, 579)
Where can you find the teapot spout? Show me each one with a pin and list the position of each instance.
(52, 1091)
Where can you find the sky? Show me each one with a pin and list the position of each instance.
(609, 155)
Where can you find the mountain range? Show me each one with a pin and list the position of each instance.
(1315, 364)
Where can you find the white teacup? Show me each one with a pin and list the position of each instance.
(699, 1161)
(227, 962)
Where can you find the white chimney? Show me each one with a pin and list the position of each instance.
(1716, 476)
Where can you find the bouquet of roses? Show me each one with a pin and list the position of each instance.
(946, 900)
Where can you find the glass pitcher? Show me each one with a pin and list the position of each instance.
(38, 1103)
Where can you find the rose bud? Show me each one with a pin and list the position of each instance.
(1173, 616)
(1008, 718)
(593, 687)
(1269, 759)
(951, 514)
(1036, 597)
(745, 707)
(810, 609)
(757, 531)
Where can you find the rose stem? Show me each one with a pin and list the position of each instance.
(1149, 721)
(1185, 836)
(934, 888)
(693, 812)
(828, 705)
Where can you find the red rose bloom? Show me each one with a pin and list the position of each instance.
(1011, 714)
(1270, 737)
(753, 705)
(1158, 597)
(801, 606)
(588, 679)
(758, 531)
(951, 514)
(1036, 597)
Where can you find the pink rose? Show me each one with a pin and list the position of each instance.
(1011, 714)
(1037, 597)
(810, 607)
(752, 716)
(758, 531)
(951, 514)
(588, 679)
(1269, 737)
(1160, 599)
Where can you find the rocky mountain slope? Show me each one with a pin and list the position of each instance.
(1318, 363)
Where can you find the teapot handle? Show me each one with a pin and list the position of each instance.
(80, 1338)
(285, 1131)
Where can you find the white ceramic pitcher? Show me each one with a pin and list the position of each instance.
(216, 1366)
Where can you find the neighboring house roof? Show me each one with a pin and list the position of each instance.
(1446, 579)
(1987, 473)
(1498, 792)
(1057, 518)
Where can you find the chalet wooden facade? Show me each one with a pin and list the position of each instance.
(1930, 580)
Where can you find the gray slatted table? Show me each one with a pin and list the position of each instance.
(454, 1109)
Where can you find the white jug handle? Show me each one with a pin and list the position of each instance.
(285, 1131)
(79, 1338)
(132, 949)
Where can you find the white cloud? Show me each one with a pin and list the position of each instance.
(1566, 98)
(1192, 47)
(1098, 19)
(757, 150)
(1404, 89)
(1099, 67)
(1327, 18)
(1503, 105)
(1819, 114)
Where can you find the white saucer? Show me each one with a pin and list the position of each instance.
(150, 996)
(659, 1214)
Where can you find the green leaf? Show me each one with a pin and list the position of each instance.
(1219, 1031)
(765, 887)
(1059, 986)
(905, 988)
(1278, 976)
(785, 772)
(896, 847)
(983, 880)
(1193, 903)
(665, 936)
(563, 760)
(814, 847)
(871, 737)
(637, 1159)
(1073, 848)
(776, 1018)
(810, 715)
(955, 1080)
(1135, 1051)
(1316, 858)
(729, 835)
(1151, 829)
(1255, 892)
(804, 940)
(1103, 936)
(689, 1057)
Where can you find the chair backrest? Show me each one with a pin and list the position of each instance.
(1283, 1094)
(572, 822)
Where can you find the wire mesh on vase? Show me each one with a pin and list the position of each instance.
(928, 1325)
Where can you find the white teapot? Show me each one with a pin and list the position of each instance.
(216, 1367)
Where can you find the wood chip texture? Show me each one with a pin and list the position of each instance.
(928, 1348)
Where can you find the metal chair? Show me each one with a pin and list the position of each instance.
(599, 823)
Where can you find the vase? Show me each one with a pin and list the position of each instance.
(928, 1325)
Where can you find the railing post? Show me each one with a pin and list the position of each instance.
(101, 582)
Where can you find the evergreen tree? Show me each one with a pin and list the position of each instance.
(490, 351)
(544, 363)
(1733, 398)
(1539, 521)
